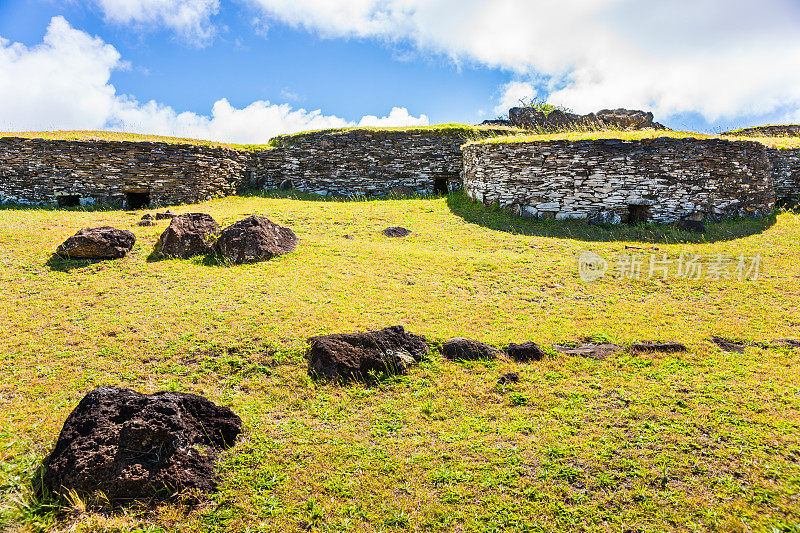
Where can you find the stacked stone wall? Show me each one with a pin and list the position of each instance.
(38, 171)
(661, 180)
(366, 162)
(786, 173)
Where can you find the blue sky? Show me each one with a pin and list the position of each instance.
(273, 66)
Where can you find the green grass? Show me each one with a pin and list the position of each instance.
(701, 441)
(125, 137)
(582, 135)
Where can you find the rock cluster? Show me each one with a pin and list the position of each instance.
(130, 446)
(97, 243)
(620, 119)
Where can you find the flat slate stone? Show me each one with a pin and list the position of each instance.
(139, 447)
(729, 345)
(590, 350)
(664, 347)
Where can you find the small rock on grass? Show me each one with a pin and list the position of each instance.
(663, 347)
(344, 357)
(460, 348)
(729, 345)
(97, 243)
(138, 447)
(188, 235)
(255, 239)
(396, 232)
(527, 351)
(591, 350)
(511, 377)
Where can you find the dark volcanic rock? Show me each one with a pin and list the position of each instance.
(527, 351)
(511, 377)
(396, 231)
(628, 119)
(497, 122)
(468, 349)
(695, 226)
(355, 356)
(97, 243)
(188, 235)
(166, 215)
(590, 349)
(557, 120)
(255, 239)
(665, 347)
(132, 446)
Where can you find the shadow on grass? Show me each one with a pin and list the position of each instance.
(499, 219)
(57, 263)
(312, 197)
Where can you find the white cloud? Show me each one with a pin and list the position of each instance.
(190, 19)
(512, 94)
(721, 58)
(398, 116)
(60, 83)
(63, 83)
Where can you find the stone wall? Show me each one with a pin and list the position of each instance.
(367, 162)
(660, 180)
(37, 171)
(786, 173)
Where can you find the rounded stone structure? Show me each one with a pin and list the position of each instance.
(659, 180)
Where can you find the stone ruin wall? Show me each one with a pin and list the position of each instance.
(365, 162)
(371, 163)
(38, 171)
(666, 179)
(786, 174)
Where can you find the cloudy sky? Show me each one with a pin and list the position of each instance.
(245, 70)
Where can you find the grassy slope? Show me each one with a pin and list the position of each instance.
(123, 137)
(775, 142)
(705, 441)
(470, 133)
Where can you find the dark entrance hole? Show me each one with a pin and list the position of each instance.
(137, 200)
(638, 214)
(68, 200)
(440, 186)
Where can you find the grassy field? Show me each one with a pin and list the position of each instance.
(701, 441)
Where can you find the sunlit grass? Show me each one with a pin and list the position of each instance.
(124, 137)
(702, 441)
